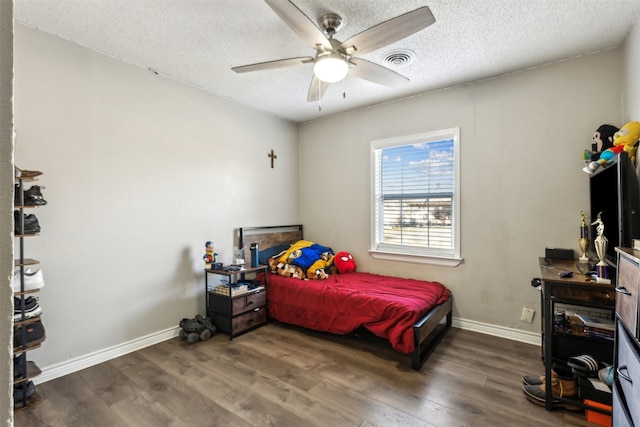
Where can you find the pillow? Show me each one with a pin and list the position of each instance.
(264, 255)
(344, 262)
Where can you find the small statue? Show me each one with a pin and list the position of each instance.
(600, 244)
(210, 256)
(584, 238)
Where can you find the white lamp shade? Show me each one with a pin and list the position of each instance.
(331, 68)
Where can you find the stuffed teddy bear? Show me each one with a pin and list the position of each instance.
(601, 140)
(210, 256)
(195, 330)
(344, 262)
(625, 139)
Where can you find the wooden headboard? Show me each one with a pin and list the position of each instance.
(267, 237)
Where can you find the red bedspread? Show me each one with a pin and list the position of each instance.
(387, 306)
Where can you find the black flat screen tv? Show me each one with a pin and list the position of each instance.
(615, 192)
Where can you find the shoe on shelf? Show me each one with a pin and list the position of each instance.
(20, 366)
(23, 173)
(32, 280)
(35, 334)
(23, 390)
(37, 312)
(31, 201)
(28, 305)
(30, 223)
(33, 196)
(585, 366)
(30, 309)
(606, 375)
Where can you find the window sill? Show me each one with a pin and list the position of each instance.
(419, 259)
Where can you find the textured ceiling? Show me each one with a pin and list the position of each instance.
(198, 41)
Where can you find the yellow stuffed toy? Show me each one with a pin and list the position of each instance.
(626, 139)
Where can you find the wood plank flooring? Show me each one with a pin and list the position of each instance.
(281, 375)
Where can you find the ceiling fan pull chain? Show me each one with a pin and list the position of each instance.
(344, 90)
(319, 95)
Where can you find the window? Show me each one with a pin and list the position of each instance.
(416, 198)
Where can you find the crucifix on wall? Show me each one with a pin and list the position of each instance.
(273, 157)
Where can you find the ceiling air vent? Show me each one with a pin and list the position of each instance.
(399, 58)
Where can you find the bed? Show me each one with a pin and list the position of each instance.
(413, 315)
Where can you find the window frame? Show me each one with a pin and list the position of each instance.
(408, 254)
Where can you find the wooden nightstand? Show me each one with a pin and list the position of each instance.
(233, 309)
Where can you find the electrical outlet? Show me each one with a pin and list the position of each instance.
(527, 314)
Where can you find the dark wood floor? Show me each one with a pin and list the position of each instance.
(280, 375)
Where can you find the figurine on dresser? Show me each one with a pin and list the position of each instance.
(600, 244)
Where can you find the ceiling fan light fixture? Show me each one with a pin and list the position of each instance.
(331, 67)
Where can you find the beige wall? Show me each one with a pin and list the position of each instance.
(522, 187)
(140, 171)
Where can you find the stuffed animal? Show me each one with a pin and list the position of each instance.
(344, 262)
(318, 269)
(210, 256)
(626, 139)
(195, 330)
(289, 270)
(311, 257)
(601, 140)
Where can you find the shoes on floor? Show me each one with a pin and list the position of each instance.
(31, 308)
(32, 280)
(564, 386)
(207, 323)
(34, 334)
(30, 224)
(23, 173)
(536, 379)
(22, 390)
(191, 325)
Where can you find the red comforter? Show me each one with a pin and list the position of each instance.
(386, 306)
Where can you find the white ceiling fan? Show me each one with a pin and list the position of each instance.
(335, 59)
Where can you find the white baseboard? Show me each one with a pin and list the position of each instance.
(61, 369)
(534, 338)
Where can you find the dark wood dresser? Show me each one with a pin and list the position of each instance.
(626, 390)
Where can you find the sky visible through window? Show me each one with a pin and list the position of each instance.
(414, 169)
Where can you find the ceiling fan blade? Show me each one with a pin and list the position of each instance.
(390, 31)
(376, 73)
(280, 63)
(299, 23)
(317, 90)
